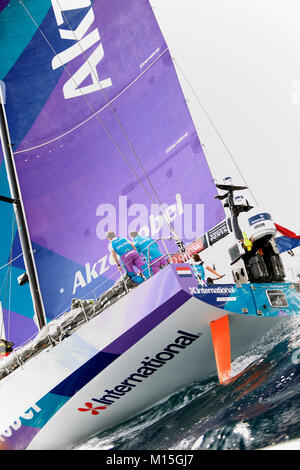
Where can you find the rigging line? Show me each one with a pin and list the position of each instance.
(10, 262)
(117, 118)
(4, 281)
(93, 291)
(7, 281)
(2, 331)
(88, 103)
(10, 273)
(9, 302)
(6, 287)
(112, 277)
(215, 128)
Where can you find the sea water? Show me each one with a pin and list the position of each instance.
(259, 407)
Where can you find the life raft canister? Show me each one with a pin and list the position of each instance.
(256, 224)
(5, 348)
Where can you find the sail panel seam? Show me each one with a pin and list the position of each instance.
(96, 112)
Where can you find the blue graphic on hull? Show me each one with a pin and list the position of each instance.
(270, 300)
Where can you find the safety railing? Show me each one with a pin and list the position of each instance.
(166, 255)
(162, 239)
(80, 312)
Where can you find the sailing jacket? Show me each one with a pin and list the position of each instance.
(121, 246)
(199, 269)
(142, 243)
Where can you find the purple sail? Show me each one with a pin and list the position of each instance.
(103, 140)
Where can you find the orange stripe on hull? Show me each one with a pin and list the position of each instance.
(221, 342)
(3, 446)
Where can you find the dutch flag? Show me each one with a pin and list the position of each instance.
(184, 271)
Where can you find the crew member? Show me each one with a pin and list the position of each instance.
(198, 267)
(130, 258)
(154, 259)
(5, 348)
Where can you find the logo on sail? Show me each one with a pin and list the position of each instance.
(83, 43)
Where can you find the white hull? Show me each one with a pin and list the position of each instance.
(52, 386)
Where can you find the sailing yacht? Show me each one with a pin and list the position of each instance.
(96, 136)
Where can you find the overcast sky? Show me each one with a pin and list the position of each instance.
(242, 59)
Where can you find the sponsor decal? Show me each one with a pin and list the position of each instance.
(149, 58)
(93, 409)
(28, 415)
(218, 232)
(211, 290)
(226, 299)
(259, 218)
(194, 247)
(83, 43)
(169, 149)
(147, 367)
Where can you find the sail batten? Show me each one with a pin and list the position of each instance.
(103, 141)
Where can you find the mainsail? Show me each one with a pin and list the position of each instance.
(102, 139)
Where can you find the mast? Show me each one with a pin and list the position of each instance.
(20, 213)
